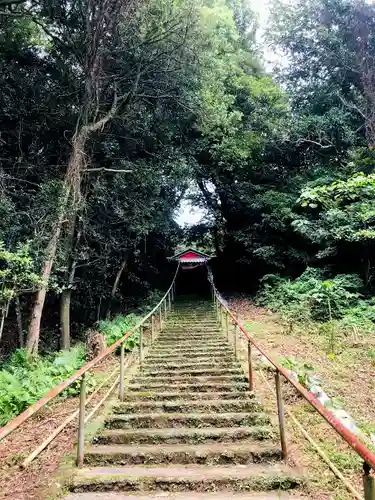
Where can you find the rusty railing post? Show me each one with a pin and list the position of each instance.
(81, 422)
(281, 414)
(235, 339)
(227, 324)
(122, 361)
(141, 345)
(368, 482)
(250, 362)
(152, 328)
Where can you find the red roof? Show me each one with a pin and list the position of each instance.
(191, 255)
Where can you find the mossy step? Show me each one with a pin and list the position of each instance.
(192, 365)
(180, 360)
(195, 378)
(185, 336)
(185, 435)
(176, 356)
(269, 495)
(186, 396)
(187, 386)
(165, 420)
(192, 343)
(203, 454)
(192, 478)
(230, 370)
(191, 330)
(187, 406)
(195, 349)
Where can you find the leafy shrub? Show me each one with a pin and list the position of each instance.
(23, 381)
(116, 328)
(311, 296)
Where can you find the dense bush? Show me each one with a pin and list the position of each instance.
(334, 305)
(116, 328)
(23, 381)
(312, 296)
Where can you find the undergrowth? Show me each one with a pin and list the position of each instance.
(24, 380)
(332, 307)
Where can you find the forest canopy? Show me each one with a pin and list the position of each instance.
(114, 111)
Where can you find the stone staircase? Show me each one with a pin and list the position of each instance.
(189, 428)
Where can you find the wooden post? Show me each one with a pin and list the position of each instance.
(227, 325)
(251, 371)
(280, 410)
(160, 319)
(122, 361)
(169, 301)
(81, 422)
(165, 308)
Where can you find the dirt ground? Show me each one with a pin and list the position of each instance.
(348, 378)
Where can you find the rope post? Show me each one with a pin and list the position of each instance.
(160, 319)
(165, 308)
(169, 301)
(281, 414)
(251, 371)
(81, 422)
(122, 361)
(368, 482)
(140, 345)
(152, 328)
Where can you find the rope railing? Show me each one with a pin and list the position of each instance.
(224, 316)
(161, 309)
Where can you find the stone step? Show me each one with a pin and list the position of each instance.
(270, 495)
(184, 435)
(230, 370)
(203, 454)
(180, 360)
(179, 348)
(192, 478)
(191, 330)
(187, 386)
(191, 343)
(192, 365)
(172, 336)
(196, 379)
(193, 352)
(165, 420)
(186, 396)
(196, 406)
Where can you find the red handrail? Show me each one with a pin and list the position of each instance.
(353, 441)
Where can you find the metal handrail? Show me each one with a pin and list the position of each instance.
(353, 441)
(163, 305)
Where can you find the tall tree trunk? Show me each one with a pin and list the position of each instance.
(65, 302)
(66, 296)
(19, 321)
(115, 284)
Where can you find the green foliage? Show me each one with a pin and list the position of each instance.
(23, 380)
(303, 370)
(116, 328)
(17, 272)
(310, 295)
